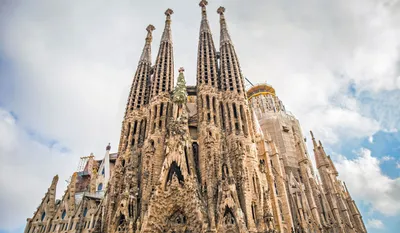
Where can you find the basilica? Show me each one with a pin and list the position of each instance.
(215, 157)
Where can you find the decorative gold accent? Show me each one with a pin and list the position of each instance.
(260, 89)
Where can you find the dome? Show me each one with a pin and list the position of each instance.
(260, 89)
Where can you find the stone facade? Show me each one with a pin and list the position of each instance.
(208, 158)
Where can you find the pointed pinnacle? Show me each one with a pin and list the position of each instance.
(313, 139)
(221, 10)
(168, 13)
(166, 36)
(203, 3)
(149, 30)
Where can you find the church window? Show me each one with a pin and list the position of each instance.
(222, 115)
(43, 216)
(280, 209)
(229, 218)
(102, 171)
(85, 212)
(134, 128)
(100, 187)
(187, 159)
(235, 111)
(208, 102)
(63, 214)
(175, 170)
(225, 171)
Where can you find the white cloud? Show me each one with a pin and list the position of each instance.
(387, 158)
(375, 224)
(26, 171)
(366, 182)
(371, 139)
(398, 165)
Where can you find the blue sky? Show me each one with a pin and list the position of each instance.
(66, 68)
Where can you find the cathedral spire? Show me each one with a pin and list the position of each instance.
(167, 37)
(231, 75)
(139, 93)
(146, 54)
(225, 37)
(163, 78)
(204, 22)
(321, 158)
(207, 66)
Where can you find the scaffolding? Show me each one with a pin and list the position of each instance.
(83, 161)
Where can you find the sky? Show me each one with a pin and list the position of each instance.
(66, 68)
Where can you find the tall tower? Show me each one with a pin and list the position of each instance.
(209, 115)
(249, 183)
(124, 203)
(159, 108)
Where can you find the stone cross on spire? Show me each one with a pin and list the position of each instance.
(225, 37)
(166, 37)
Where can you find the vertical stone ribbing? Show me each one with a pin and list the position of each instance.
(231, 76)
(162, 81)
(158, 111)
(138, 94)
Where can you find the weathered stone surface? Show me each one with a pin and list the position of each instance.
(209, 158)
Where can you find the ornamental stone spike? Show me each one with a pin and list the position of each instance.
(225, 37)
(146, 53)
(166, 37)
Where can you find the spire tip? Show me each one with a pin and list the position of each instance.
(181, 70)
(150, 28)
(169, 12)
(221, 10)
(203, 3)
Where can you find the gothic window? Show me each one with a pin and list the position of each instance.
(225, 171)
(122, 226)
(85, 212)
(253, 210)
(134, 128)
(102, 171)
(63, 214)
(222, 115)
(235, 111)
(187, 160)
(280, 209)
(43, 216)
(100, 187)
(175, 170)
(229, 218)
